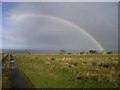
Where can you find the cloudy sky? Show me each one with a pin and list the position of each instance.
(55, 26)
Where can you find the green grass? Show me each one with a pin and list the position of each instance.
(8, 66)
(5, 80)
(70, 71)
(0, 57)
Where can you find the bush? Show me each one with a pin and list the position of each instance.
(108, 65)
(94, 64)
(52, 58)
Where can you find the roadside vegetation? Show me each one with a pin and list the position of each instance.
(5, 80)
(0, 71)
(70, 70)
(0, 57)
(5, 74)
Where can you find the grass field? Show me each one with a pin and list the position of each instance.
(0, 57)
(70, 71)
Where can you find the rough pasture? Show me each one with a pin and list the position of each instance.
(70, 71)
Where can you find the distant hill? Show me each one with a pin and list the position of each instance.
(21, 51)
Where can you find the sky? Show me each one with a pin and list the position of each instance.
(60, 0)
(60, 25)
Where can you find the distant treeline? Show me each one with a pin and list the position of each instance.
(62, 51)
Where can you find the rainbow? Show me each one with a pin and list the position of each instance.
(23, 16)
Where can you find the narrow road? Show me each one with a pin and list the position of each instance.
(17, 80)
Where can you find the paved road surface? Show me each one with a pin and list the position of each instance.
(17, 80)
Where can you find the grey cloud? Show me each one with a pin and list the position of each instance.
(98, 19)
(38, 34)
